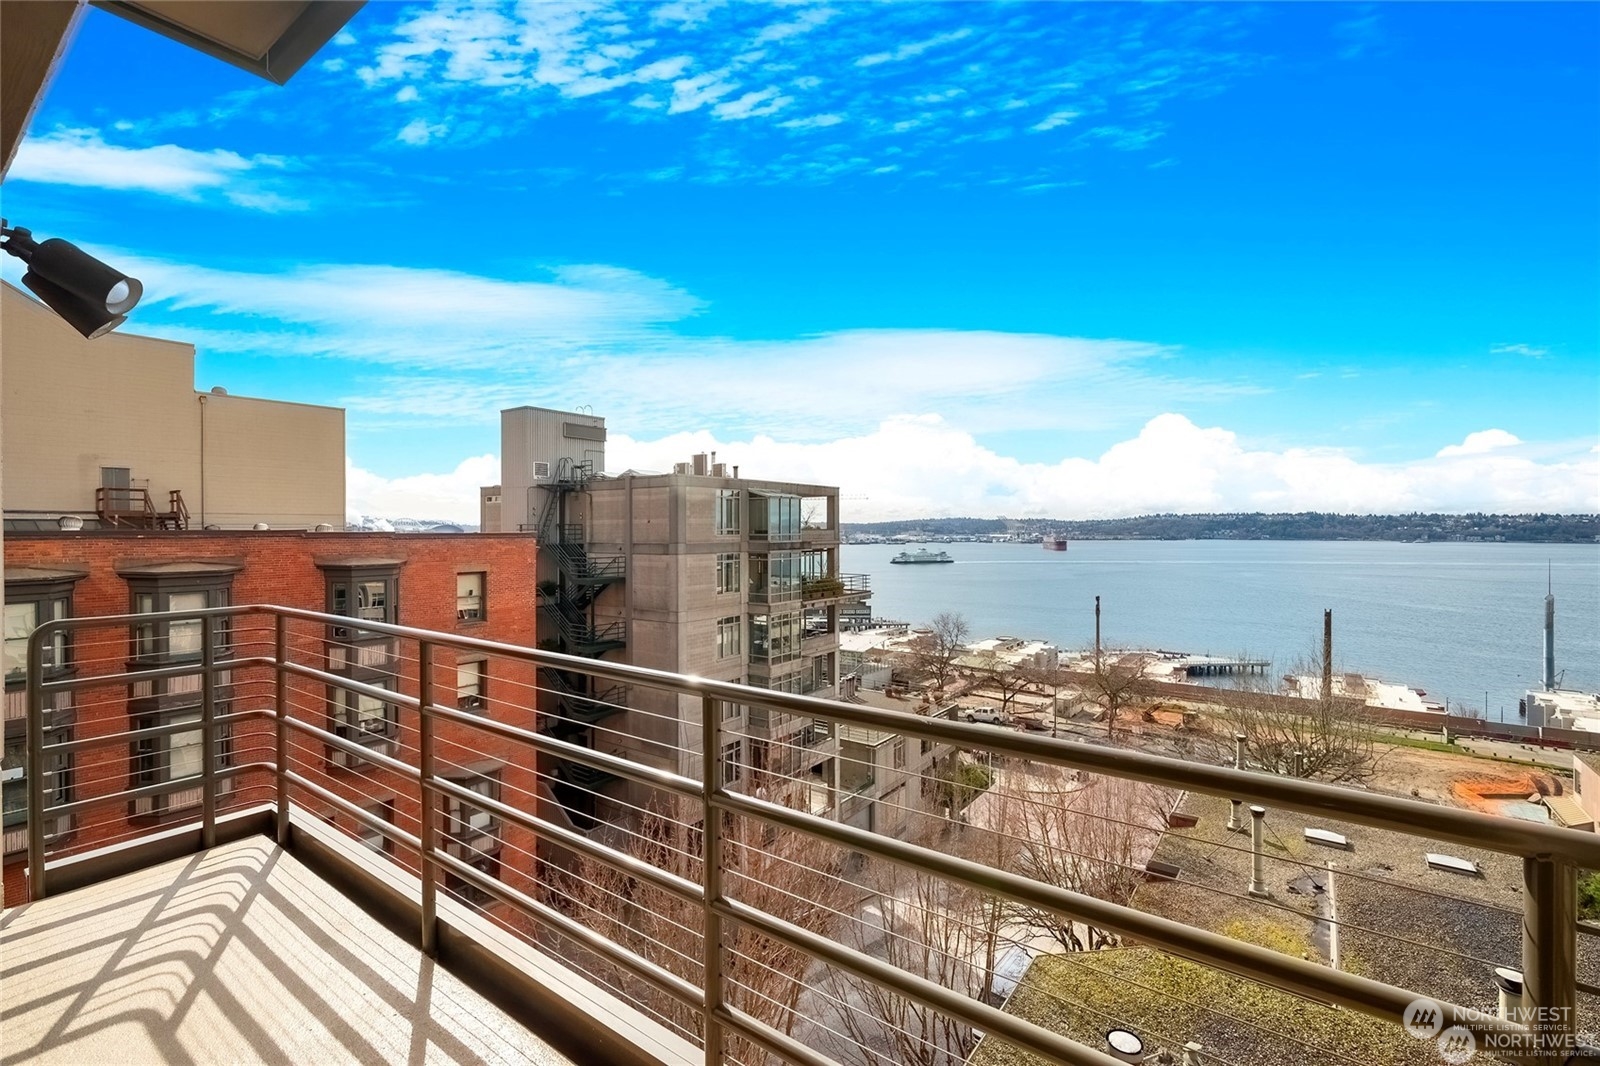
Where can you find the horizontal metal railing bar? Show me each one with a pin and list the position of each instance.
(1212, 950)
(129, 677)
(563, 749)
(65, 747)
(356, 811)
(160, 788)
(1038, 1040)
(1469, 828)
(351, 747)
(663, 979)
(682, 887)
(770, 1040)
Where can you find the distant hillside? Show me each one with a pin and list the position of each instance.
(1539, 528)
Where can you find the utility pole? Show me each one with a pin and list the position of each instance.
(1327, 655)
(1097, 629)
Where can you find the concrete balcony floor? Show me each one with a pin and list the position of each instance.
(236, 955)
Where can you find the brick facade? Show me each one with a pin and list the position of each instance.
(291, 569)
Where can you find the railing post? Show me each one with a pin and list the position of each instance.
(208, 733)
(427, 813)
(1549, 955)
(711, 870)
(281, 706)
(35, 673)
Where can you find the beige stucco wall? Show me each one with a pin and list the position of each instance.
(72, 406)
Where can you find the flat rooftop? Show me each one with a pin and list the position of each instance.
(238, 954)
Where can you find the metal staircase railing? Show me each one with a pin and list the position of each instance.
(581, 636)
(578, 703)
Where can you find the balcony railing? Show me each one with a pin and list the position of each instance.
(836, 586)
(699, 862)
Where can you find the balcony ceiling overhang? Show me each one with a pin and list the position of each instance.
(269, 38)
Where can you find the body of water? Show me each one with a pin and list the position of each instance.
(1457, 620)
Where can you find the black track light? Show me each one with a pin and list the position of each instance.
(92, 297)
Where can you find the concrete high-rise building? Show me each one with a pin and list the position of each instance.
(699, 571)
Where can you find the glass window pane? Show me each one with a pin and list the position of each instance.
(183, 638)
(20, 621)
(187, 601)
(184, 754)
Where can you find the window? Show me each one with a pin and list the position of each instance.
(14, 779)
(365, 719)
(730, 709)
(728, 645)
(164, 641)
(897, 753)
(469, 597)
(25, 610)
(730, 762)
(727, 511)
(176, 758)
(775, 577)
(368, 593)
(775, 638)
(775, 517)
(384, 812)
(471, 692)
(474, 834)
(727, 572)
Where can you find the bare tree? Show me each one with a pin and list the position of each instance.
(789, 875)
(1005, 680)
(946, 932)
(1320, 736)
(1112, 680)
(1085, 834)
(934, 652)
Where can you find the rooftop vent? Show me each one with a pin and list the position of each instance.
(701, 462)
(260, 525)
(322, 527)
(681, 468)
(1328, 838)
(218, 390)
(1451, 864)
(70, 523)
(719, 469)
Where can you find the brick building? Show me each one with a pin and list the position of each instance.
(469, 584)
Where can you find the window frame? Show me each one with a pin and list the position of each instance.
(730, 637)
(177, 700)
(478, 699)
(729, 513)
(730, 572)
(479, 612)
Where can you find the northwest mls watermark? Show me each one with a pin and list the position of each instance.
(1547, 1032)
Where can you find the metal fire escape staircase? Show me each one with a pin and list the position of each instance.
(567, 605)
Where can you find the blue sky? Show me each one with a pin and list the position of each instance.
(959, 258)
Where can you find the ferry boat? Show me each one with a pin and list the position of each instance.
(1055, 542)
(922, 555)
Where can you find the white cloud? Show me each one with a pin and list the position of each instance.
(913, 49)
(922, 465)
(812, 122)
(807, 21)
(753, 105)
(406, 94)
(450, 497)
(1529, 350)
(404, 315)
(82, 157)
(420, 131)
(1054, 120)
(1485, 440)
(690, 94)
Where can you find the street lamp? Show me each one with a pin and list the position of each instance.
(92, 297)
